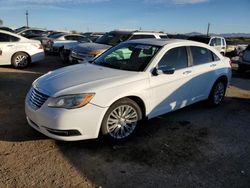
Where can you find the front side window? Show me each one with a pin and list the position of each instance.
(128, 56)
(175, 58)
(213, 42)
(201, 55)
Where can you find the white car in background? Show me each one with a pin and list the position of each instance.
(134, 80)
(19, 51)
(219, 43)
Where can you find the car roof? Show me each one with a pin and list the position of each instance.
(13, 34)
(162, 42)
(136, 31)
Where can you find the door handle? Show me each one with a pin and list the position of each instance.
(10, 45)
(187, 72)
(213, 65)
(1, 52)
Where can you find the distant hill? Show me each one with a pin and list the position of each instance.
(226, 35)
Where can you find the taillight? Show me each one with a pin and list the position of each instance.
(40, 46)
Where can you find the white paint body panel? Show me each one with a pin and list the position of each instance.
(160, 94)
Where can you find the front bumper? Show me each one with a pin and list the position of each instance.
(37, 56)
(67, 125)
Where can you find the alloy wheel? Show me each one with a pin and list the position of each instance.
(122, 121)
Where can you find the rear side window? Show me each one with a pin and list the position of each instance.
(218, 41)
(142, 37)
(175, 58)
(201, 55)
(8, 38)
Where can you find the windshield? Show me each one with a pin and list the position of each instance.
(20, 29)
(128, 56)
(200, 39)
(112, 38)
(55, 35)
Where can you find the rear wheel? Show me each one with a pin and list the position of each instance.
(62, 56)
(217, 93)
(20, 60)
(121, 120)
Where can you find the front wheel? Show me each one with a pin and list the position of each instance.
(217, 93)
(121, 120)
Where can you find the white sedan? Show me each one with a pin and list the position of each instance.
(131, 81)
(19, 51)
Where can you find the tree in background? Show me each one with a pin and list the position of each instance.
(1, 22)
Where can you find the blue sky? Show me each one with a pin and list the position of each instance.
(171, 16)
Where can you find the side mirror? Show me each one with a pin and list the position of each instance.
(163, 70)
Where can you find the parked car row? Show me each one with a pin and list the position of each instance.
(88, 51)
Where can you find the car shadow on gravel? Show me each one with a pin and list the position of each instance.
(14, 85)
(166, 147)
(161, 144)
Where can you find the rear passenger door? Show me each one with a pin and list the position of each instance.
(8, 45)
(204, 64)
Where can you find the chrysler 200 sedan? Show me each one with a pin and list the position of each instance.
(134, 80)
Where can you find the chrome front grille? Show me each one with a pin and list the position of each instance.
(36, 98)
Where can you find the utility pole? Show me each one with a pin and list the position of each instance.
(27, 18)
(208, 27)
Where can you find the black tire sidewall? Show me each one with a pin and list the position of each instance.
(211, 95)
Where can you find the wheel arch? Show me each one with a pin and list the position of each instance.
(138, 100)
(222, 78)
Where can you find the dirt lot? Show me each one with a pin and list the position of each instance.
(193, 147)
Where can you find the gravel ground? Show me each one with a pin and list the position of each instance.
(193, 147)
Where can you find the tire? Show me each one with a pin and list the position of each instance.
(20, 60)
(64, 59)
(217, 93)
(121, 120)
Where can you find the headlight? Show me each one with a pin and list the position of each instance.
(96, 53)
(71, 101)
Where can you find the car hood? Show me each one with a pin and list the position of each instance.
(80, 78)
(90, 47)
